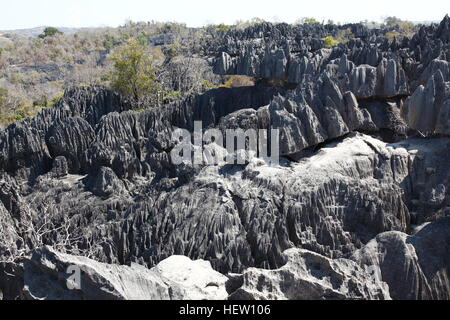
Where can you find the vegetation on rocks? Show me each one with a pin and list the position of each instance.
(50, 32)
(358, 207)
(133, 73)
(35, 70)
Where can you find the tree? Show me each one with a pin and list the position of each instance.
(49, 32)
(186, 74)
(244, 24)
(329, 42)
(6, 115)
(133, 72)
(402, 27)
(2, 63)
(308, 20)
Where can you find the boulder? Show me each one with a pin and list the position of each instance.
(414, 266)
(426, 108)
(310, 276)
(197, 278)
(52, 275)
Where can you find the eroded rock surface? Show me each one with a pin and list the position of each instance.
(393, 265)
(353, 184)
(310, 276)
(415, 266)
(51, 275)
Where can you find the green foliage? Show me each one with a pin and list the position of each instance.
(2, 62)
(143, 39)
(342, 36)
(308, 20)
(172, 96)
(238, 81)
(110, 41)
(3, 95)
(133, 73)
(222, 27)
(207, 84)
(391, 22)
(33, 69)
(49, 32)
(105, 78)
(244, 24)
(41, 102)
(401, 27)
(25, 111)
(56, 98)
(173, 49)
(7, 112)
(330, 42)
(391, 35)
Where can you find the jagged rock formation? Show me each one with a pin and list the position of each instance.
(391, 265)
(428, 107)
(414, 267)
(47, 275)
(330, 203)
(92, 176)
(308, 275)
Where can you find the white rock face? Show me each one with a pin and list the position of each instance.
(414, 266)
(45, 277)
(197, 278)
(46, 273)
(393, 265)
(427, 109)
(310, 276)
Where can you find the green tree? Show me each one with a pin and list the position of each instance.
(49, 32)
(5, 112)
(308, 20)
(222, 27)
(402, 27)
(330, 42)
(133, 72)
(3, 95)
(391, 22)
(2, 63)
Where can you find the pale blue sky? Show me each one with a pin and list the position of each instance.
(16, 14)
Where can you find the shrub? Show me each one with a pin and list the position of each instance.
(41, 102)
(401, 27)
(308, 20)
(238, 81)
(329, 42)
(392, 34)
(344, 35)
(172, 96)
(244, 24)
(207, 84)
(133, 73)
(50, 32)
(222, 27)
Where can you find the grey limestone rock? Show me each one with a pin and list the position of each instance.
(60, 167)
(427, 108)
(414, 266)
(339, 199)
(51, 275)
(310, 276)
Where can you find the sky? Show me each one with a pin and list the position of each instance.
(19, 14)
